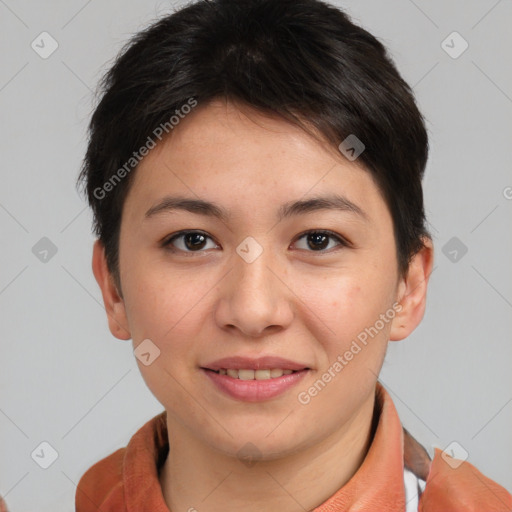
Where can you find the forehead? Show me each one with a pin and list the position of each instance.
(233, 153)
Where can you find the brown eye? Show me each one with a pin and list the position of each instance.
(319, 241)
(188, 241)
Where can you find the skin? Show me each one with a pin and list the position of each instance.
(293, 301)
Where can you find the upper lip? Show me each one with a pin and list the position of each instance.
(248, 363)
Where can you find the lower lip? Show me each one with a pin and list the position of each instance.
(254, 390)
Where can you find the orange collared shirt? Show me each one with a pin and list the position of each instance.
(127, 480)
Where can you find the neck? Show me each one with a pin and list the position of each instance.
(197, 477)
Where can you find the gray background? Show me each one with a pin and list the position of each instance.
(66, 380)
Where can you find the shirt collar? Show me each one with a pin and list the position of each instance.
(377, 485)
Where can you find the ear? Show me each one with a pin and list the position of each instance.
(114, 304)
(412, 293)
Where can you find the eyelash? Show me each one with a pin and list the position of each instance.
(343, 242)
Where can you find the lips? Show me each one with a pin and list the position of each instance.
(254, 380)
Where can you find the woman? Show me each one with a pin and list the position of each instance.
(254, 168)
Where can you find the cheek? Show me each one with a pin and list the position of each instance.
(354, 345)
(348, 306)
(168, 314)
(159, 305)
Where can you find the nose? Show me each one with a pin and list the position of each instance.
(254, 298)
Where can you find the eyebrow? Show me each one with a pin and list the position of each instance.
(301, 207)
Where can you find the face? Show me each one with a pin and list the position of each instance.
(266, 272)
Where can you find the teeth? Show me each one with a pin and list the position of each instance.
(246, 374)
(262, 374)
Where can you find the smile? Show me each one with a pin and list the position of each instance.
(247, 374)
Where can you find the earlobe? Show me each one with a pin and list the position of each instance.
(412, 293)
(114, 304)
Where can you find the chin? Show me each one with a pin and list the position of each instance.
(269, 443)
